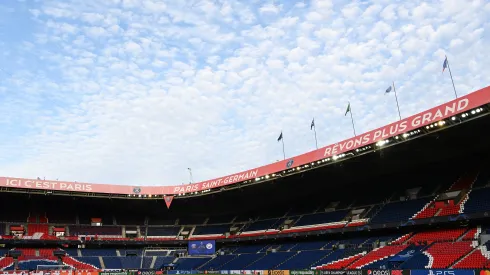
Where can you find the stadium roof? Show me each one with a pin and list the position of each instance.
(467, 107)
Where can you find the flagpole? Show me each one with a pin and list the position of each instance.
(283, 152)
(316, 141)
(396, 97)
(352, 119)
(314, 129)
(456, 94)
(190, 175)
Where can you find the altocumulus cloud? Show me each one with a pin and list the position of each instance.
(134, 92)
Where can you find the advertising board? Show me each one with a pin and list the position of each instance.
(442, 272)
(202, 247)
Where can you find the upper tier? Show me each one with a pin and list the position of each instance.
(328, 153)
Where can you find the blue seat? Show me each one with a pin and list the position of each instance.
(211, 229)
(320, 218)
(98, 252)
(242, 261)
(399, 211)
(93, 260)
(190, 263)
(303, 260)
(271, 260)
(478, 201)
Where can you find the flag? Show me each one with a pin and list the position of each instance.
(388, 90)
(280, 137)
(348, 109)
(312, 124)
(445, 64)
(168, 200)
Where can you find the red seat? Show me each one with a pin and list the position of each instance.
(77, 264)
(446, 254)
(475, 260)
(342, 263)
(437, 236)
(5, 262)
(376, 255)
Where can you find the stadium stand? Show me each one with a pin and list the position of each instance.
(377, 255)
(320, 218)
(478, 258)
(478, 201)
(190, 263)
(98, 252)
(211, 230)
(303, 259)
(449, 235)
(241, 261)
(442, 255)
(396, 211)
(261, 225)
(163, 232)
(77, 263)
(380, 210)
(458, 248)
(343, 262)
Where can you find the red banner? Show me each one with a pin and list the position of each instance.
(168, 200)
(457, 106)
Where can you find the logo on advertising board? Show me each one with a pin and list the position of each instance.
(385, 272)
(113, 273)
(146, 272)
(484, 272)
(442, 272)
(290, 163)
(278, 272)
(136, 190)
(343, 272)
(303, 272)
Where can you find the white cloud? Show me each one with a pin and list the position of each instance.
(351, 11)
(270, 8)
(134, 92)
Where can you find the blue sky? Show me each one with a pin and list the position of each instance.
(134, 92)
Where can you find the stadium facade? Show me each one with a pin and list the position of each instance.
(413, 196)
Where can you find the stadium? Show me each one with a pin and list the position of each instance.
(412, 197)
